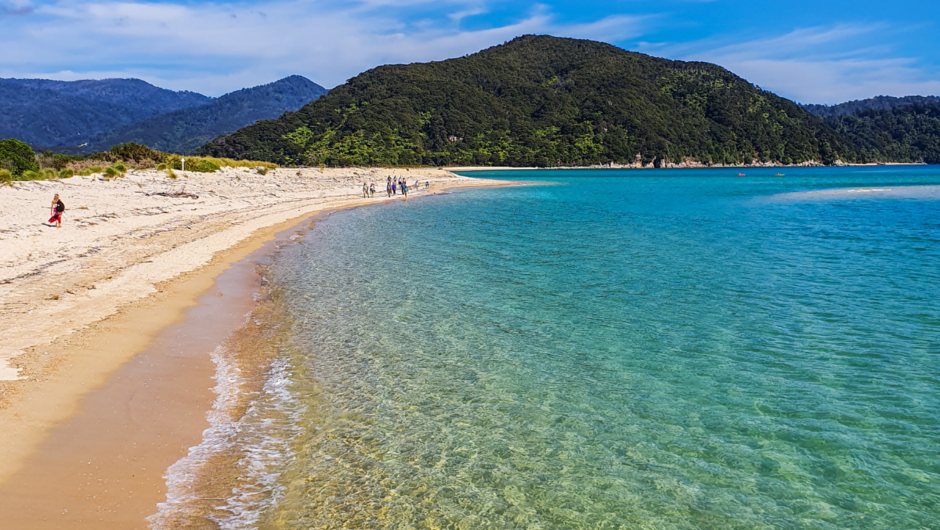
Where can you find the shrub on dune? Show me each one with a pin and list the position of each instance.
(199, 165)
(66, 174)
(17, 157)
(6, 175)
(205, 166)
(111, 173)
(134, 151)
(49, 173)
(31, 175)
(229, 162)
(208, 164)
(161, 167)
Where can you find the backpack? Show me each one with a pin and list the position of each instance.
(60, 207)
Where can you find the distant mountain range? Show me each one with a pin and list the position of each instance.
(184, 130)
(541, 101)
(47, 113)
(533, 101)
(547, 101)
(82, 116)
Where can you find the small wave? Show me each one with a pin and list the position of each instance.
(255, 446)
(266, 451)
(182, 476)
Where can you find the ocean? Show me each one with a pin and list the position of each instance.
(654, 349)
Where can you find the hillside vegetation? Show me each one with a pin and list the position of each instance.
(540, 101)
(183, 131)
(49, 113)
(902, 133)
(18, 161)
(859, 106)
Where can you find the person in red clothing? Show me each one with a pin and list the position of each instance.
(57, 208)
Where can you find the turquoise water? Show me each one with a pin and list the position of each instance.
(616, 349)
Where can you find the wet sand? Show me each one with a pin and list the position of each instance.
(104, 466)
(150, 370)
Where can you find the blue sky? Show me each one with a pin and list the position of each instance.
(810, 51)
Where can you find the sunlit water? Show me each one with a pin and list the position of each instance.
(603, 349)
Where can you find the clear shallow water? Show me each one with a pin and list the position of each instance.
(606, 349)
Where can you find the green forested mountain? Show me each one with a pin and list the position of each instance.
(861, 105)
(908, 132)
(540, 101)
(185, 130)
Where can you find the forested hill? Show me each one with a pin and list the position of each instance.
(862, 105)
(185, 130)
(542, 101)
(50, 113)
(902, 133)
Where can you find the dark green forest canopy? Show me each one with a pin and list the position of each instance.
(907, 133)
(541, 101)
(17, 157)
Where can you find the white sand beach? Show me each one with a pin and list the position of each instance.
(123, 242)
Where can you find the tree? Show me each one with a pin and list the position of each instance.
(17, 157)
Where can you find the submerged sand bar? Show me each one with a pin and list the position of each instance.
(122, 244)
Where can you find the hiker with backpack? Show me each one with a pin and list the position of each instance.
(58, 207)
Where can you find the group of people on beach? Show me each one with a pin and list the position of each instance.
(392, 187)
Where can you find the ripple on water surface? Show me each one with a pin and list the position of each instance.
(630, 350)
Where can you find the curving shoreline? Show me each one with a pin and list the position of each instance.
(149, 266)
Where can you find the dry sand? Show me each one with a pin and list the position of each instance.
(78, 302)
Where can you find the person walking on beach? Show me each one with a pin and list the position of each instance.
(394, 191)
(365, 190)
(426, 185)
(404, 188)
(58, 207)
(371, 190)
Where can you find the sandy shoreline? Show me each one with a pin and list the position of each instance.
(132, 257)
(469, 169)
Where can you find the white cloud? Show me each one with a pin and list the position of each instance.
(215, 48)
(467, 13)
(836, 81)
(613, 28)
(218, 47)
(817, 65)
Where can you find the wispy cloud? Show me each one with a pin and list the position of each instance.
(218, 47)
(817, 65)
(15, 8)
(215, 48)
(467, 13)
